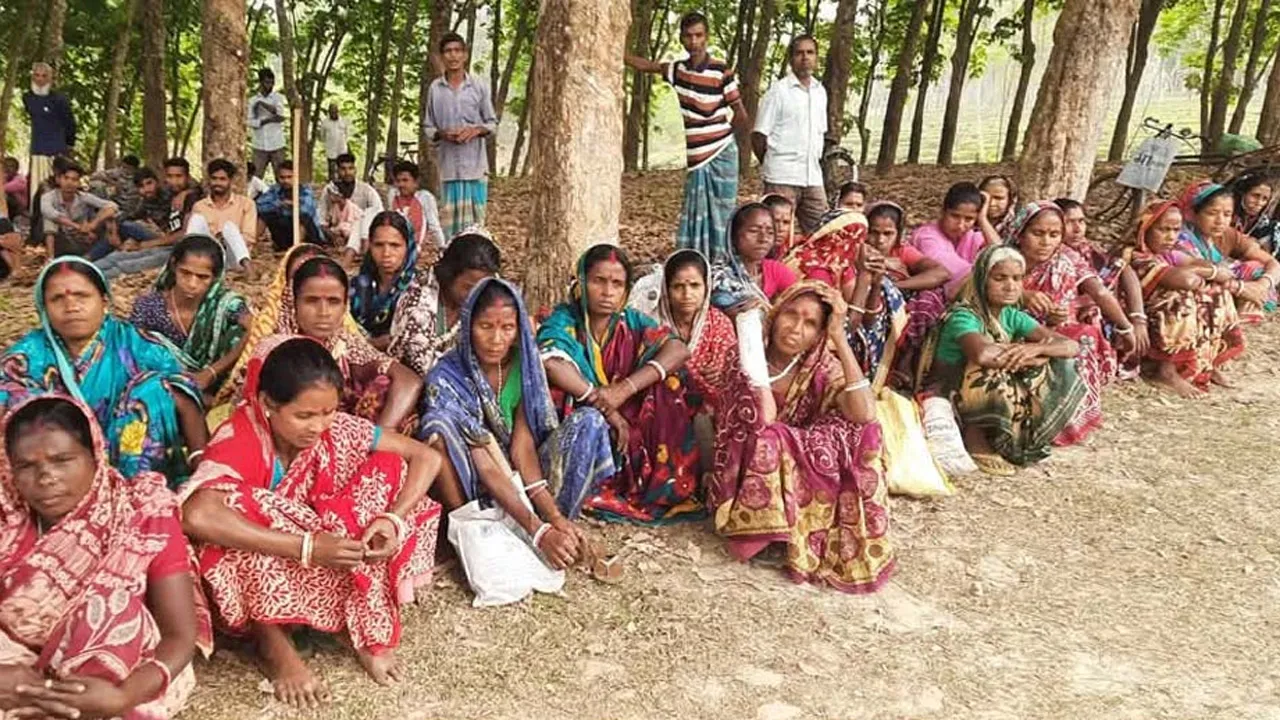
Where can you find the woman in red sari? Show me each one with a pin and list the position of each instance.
(798, 451)
(97, 607)
(304, 515)
(1057, 280)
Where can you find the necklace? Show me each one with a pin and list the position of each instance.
(785, 372)
(501, 378)
(177, 314)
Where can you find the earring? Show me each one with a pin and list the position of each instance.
(267, 413)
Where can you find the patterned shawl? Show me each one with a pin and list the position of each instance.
(215, 330)
(1014, 228)
(831, 248)
(1190, 239)
(374, 309)
(731, 285)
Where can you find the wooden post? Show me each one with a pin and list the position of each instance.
(297, 176)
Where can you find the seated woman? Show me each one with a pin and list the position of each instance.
(1013, 381)
(798, 455)
(1002, 202)
(1056, 280)
(493, 386)
(1192, 320)
(1207, 209)
(425, 324)
(1255, 215)
(750, 278)
(203, 322)
(953, 240)
(305, 515)
(852, 196)
(96, 588)
(601, 354)
(388, 269)
(1114, 272)
(148, 409)
(784, 222)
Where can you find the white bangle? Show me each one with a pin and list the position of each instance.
(402, 527)
(540, 532)
(1124, 331)
(308, 546)
(1214, 276)
(1138, 315)
(583, 397)
(857, 308)
(856, 385)
(662, 372)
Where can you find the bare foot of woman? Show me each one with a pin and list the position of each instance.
(1217, 378)
(1165, 374)
(293, 682)
(383, 667)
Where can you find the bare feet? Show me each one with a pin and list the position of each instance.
(383, 667)
(294, 683)
(1217, 378)
(1165, 374)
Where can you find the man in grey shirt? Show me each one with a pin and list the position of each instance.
(77, 222)
(459, 116)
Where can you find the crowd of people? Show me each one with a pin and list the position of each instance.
(282, 469)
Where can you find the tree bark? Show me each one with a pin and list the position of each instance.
(1027, 65)
(523, 127)
(749, 78)
(297, 103)
(378, 85)
(429, 167)
(1135, 68)
(869, 81)
(110, 123)
(1251, 73)
(51, 44)
(1269, 124)
(899, 90)
(926, 77)
(17, 59)
(154, 132)
(397, 89)
(577, 97)
(1206, 77)
(639, 44)
(1088, 48)
(224, 55)
(839, 70)
(741, 30)
(972, 13)
(1226, 76)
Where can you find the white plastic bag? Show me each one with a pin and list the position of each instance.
(943, 436)
(498, 556)
(646, 292)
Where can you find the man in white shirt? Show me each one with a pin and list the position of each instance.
(788, 135)
(335, 133)
(266, 117)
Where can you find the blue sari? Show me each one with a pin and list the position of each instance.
(372, 309)
(124, 375)
(462, 408)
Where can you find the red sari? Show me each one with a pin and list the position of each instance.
(73, 600)
(337, 486)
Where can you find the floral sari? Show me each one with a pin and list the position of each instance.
(126, 377)
(419, 332)
(712, 342)
(73, 599)
(829, 253)
(811, 479)
(461, 408)
(1192, 242)
(657, 472)
(338, 486)
(373, 307)
(1196, 330)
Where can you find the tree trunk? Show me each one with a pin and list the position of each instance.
(289, 68)
(839, 69)
(224, 55)
(1088, 48)
(397, 89)
(638, 44)
(429, 167)
(1226, 76)
(741, 30)
(523, 128)
(378, 85)
(1206, 77)
(899, 90)
(1027, 65)
(51, 43)
(749, 79)
(110, 133)
(869, 81)
(18, 58)
(1135, 68)
(320, 84)
(1251, 72)
(972, 13)
(154, 132)
(577, 97)
(926, 76)
(1269, 124)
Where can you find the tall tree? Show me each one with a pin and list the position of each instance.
(1206, 75)
(899, 90)
(522, 127)
(1226, 76)
(639, 44)
(1252, 74)
(397, 87)
(876, 31)
(972, 12)
(1269, 123)
(927, 64)
(110, 123)
(21, 42)
(577, 98)
(378, 84)
(51, 44)
(839, 66)
(1135, 67)
(224, 56)
(753, 70)
(1026, 57)
(289, 68)
(154, 144)
(430, 70)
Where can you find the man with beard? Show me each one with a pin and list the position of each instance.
(224, 214)
(357, 192)
(53, 127)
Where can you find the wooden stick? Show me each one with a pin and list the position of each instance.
(297, 172)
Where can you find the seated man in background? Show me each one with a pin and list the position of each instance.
(355, 191)
(416, 204)
(225, 214)
(275, 208)
(77, 222)
(342, 219)
(148, 233)
(15, 188)
(255, 185)
(184, 190)
(10, 240)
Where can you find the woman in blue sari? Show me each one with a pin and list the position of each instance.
(148, 408)
(492, 385)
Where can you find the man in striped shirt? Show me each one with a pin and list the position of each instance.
(711, 108)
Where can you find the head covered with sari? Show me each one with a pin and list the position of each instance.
(685, 258)
(899, 215)
(371, 306)
(73, 595)
(1021, 219)
(730, 284)
(1195, 195)
(973, 294)
(832, 249)
(216, 328)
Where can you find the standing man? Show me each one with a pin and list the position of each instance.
(224, 214)
(706, 89)
(789, 133)
(267, 112)
(53, 127)
(335, 133)
(459, 116)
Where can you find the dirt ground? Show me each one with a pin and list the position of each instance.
(1134, 577)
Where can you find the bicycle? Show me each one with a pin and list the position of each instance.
(1144, 174)
(408, 151)
(838, 167)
